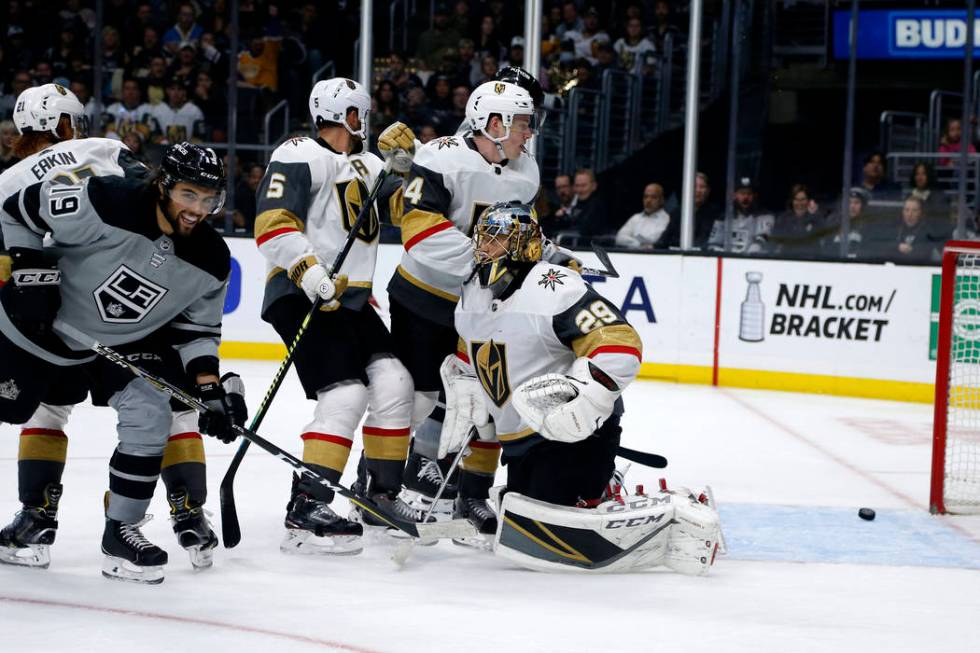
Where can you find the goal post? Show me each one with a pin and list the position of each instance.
(955, 477)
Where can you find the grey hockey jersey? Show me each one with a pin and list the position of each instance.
(123, 277)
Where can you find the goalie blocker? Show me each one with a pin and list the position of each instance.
(636, 532)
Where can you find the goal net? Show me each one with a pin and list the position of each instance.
(956, 424)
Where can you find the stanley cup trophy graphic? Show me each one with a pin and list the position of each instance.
(752, 323)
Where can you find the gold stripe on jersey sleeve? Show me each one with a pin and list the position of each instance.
(4, 268)
(511, 437)
(615, 335)
(418, 283)
(359, 284)
(273, 272)
(416, 222)
(396, 207)
(274, 219)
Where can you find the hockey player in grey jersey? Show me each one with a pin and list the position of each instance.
(139, 270)
(53, 145)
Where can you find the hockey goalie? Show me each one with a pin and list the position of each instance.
(541, 363)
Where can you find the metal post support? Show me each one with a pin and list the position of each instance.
(691, 126)
(96, 129)
(364, 62)
(966, 133)
(232, 116)
(845, 199)
(733, 88)
(532, 45)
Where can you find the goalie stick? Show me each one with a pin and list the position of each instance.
(432, 531)
(231, 530)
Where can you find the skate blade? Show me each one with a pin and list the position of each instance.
(115, 568)
(478, 542)
(299, 542)
(420, 502)
(201, 557)
(36, 556)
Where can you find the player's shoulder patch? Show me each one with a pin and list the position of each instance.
(550, 288)
(442, 154)
(299, 149)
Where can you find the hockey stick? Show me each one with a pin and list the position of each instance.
(608, 270)
(404, 550)
(435, 530)
(642, 457)
(231, 531)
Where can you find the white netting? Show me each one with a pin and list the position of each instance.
(961, 484)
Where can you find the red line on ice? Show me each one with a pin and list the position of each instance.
(189, 620)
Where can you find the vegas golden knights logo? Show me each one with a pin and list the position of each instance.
(490, 361)
(351, 195)
(498, 88)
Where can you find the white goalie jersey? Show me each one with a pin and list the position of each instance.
(307, 204)
(449, 185)
(554, 318)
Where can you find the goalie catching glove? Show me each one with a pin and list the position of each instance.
(567, 407)
(397, 145)
(466, 408)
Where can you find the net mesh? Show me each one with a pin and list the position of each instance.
(961, 486)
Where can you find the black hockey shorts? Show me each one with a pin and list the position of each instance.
(337, 345)
(562, 473)
(154, 354)
(421, 345)
(26, 381)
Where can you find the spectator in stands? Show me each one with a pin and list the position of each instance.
(515, 55)
(914, 240)
(606, 59)
(178, 119)
(952, 141)
(488, 70)
(461, 95)
(644, 230)
(185, 64)
(462, 20)
(113, 57)
(798, 229)
(141, 55)
(427, 132)
(134, 24)
(636, 53)
(61, 54)
(465, 64)
(386, 106)
(924, 186)
(185, 29)
(586, 40)
(861, 231)
(20, 82)
(155, 81)
(135, 143)
(588, 215)
(750, 227)
(244, 216)
(561, 218)
(42, 73)
(8, 134)
(441, 103)
(210, 100)
(487, 40)
(705, 213)
(434, 41)
(874, 180)
(129, 114)
(570, 21)
(416, 111)
(259, 64)
(83, 91)
(585, 76)
(663, 25)
(400, 76)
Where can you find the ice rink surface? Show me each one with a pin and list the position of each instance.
(789, 471)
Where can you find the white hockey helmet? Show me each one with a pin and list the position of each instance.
(40, 109)
(330, 100)
(502, 98)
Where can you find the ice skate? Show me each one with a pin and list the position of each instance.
(129, 556)
(313, 528)
(193, 530)
(27, 539)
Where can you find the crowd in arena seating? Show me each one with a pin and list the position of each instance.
(164, 76)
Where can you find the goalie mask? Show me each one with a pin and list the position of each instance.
(506, 239)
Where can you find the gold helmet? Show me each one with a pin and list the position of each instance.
(506, 237)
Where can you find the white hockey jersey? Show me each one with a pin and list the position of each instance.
(180, 124)
(449, 185)
(121, 120)
(554, 318)
(306, 206)
(68, 162)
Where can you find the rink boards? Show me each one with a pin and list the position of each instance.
(839, 328)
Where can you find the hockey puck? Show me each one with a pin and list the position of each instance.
(866, 514)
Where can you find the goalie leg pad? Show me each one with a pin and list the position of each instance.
(614, 537)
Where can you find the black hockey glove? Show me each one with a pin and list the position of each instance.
(226, 403)
(35, 296)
